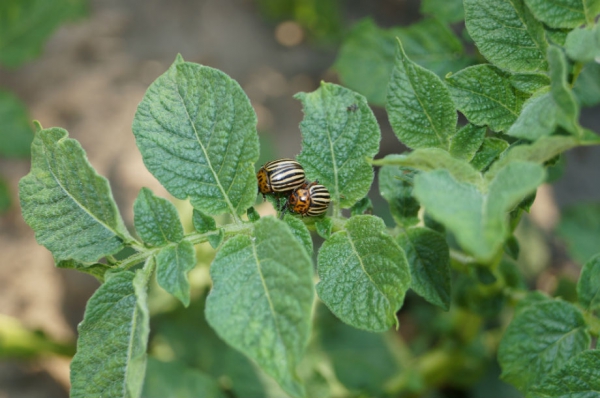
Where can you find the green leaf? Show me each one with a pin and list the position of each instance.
(449, 11)
(489, 151)
(537, 119)
(579, 378)
(561, 90)
(336, 142)
(541, 339)
(26, 25)
(419, 105)
(261, 301)
(173, 263)
(428, 159)
(478, 219)
(587, 85)
(111, 349)
(16, 133)
(175, 379)
(156, 219)
(507, 35)
(196, 131)
(97, 270)
(578, 227)
(362, 361)
(216, 239)
(203, 223)
(467, 140)
(485, 95)
(324, 227)
(428, 256)
(529, 82)
(564, 13)
(366, 58)
(396, 186)
(67, 204)
(363, 206)
(588, 286)
(364, 274)
(252, 214)
(300, 232)
(539, 152)
(583, 45)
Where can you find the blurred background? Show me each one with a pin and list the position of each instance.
(89, 70)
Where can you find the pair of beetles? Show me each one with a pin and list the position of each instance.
(286, 178)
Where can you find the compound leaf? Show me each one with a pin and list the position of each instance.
(564, 13)
(196, 131)
(173, 263)
(588, 287)
(16, 133)
(507, 35)
(428, 256)
(300, 232)
(68, 205)
(111, 349)
(339, 134)
(479, 219)
(579, 378)
(485, 95)
(541, 339)
(419, 105)
(261, 301)
(156, 219)
(364, 274)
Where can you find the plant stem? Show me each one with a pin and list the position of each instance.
(19, 342)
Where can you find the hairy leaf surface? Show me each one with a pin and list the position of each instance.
(507, 35)
(111, 349)
(173, 263)
(196, 131)
(564, 13)
(541, 339)
(262, 297)
(68, 205)
(428, 256)
(579, 378)
(364, 274)
(467, 140)
(396, 186)
(588, 287)
(339, 135)
(479, 219)
(485, 95)
(366, 58)
(156, 219)
(419, 105)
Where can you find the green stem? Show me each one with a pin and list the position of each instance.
(16, 341)
(194, 237)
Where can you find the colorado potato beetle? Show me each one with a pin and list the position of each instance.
(280, 176)
(309, 200)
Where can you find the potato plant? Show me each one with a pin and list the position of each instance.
(275, 323)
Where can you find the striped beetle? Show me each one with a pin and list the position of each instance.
(280, 176)
(309, 200)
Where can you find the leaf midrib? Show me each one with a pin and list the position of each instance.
(208, 160)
